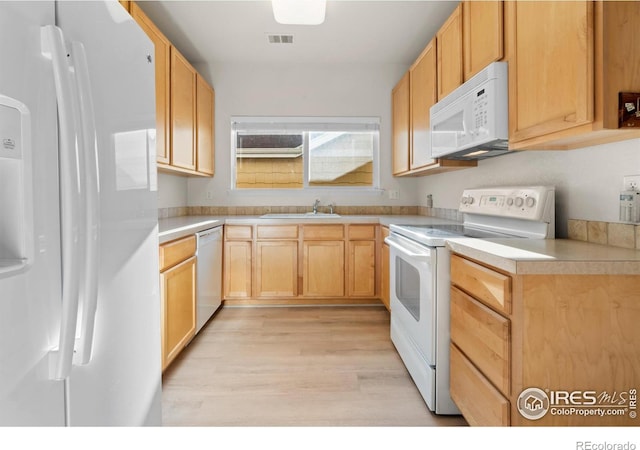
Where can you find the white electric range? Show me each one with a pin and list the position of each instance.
(419, 276)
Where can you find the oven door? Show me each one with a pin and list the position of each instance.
(413, 303)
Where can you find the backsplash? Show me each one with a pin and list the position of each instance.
(451, 214)
(616, 234)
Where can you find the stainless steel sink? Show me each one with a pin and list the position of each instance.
(309, 215)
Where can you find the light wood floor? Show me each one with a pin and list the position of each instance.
(313, 366)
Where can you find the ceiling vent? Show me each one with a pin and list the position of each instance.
(280, 38)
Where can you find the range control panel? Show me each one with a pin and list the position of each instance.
(528, 202)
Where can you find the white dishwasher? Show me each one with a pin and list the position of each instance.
(209, 274)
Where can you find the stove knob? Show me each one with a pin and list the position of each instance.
(519, 202)
(531, 202)
(509, 201)
(470, 200)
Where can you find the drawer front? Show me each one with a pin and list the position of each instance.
(241, 232)
(488, 286)
(277, 231)
(175, 252)
(480, 403)
(323, 232)
(385, 232)
(484, 337)
(362, 231)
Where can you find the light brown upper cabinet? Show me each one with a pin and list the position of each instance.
(412, 99)
(449, 51)
(483, 33)
(204, 130)
(401, 125)
(567, 63)
(162, 63)
(424, 94)
(183, 112)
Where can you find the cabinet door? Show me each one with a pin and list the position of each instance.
(424, 94)
(323, 268)
(205, 98)
(401, 126)
(178, 294)
(449, 49)
(276, 268)
(551, 67)
(385, 294)
(162, 62)
(183, 112)
(237, 269)
(483, 35)
(362, 268)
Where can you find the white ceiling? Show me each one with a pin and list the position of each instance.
(354, 31)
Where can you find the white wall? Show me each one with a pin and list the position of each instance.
(588, 180)
(172, 190)
(299, 90)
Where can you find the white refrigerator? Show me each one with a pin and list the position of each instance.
(79, 289)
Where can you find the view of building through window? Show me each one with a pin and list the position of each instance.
(295, 155)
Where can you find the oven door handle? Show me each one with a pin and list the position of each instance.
(407, 247)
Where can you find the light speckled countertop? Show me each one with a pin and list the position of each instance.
(549, 256)
(177, 227)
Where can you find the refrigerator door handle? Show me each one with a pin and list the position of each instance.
(52, 41)
(84, 344)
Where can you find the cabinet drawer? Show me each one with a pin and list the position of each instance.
(362, 231)
(176, 251)
(323, 231)
(480, 403)
(243, 232)
(488, 286)
(484, 336)
(277, 231)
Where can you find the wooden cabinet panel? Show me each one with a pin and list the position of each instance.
(323, 268)
(480, 402)
(400, 100)
(484, 337)
(362, 231)
(424, 94)
(449, 51)
(483, 32)
(205, 99)
(237, 269)
(176, 251)
(276, 269)
(277, 231)
(551, 69)
(178, 293)
(323, 231)
(385, 294)
(362, 269)
(488, 286)
(183, 112)
(162, 58)
(244, 232)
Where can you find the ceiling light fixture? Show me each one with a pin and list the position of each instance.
(299, 12)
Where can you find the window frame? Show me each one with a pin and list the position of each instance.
(245, 123)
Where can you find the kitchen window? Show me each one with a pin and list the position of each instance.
(305, 152)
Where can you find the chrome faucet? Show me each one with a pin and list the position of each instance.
(315, 206)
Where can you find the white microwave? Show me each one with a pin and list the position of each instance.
(472, 121)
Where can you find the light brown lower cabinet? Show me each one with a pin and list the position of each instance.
(323, 268)
(542, 349)
(385, 293)
(301, 263)
(178, 296)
